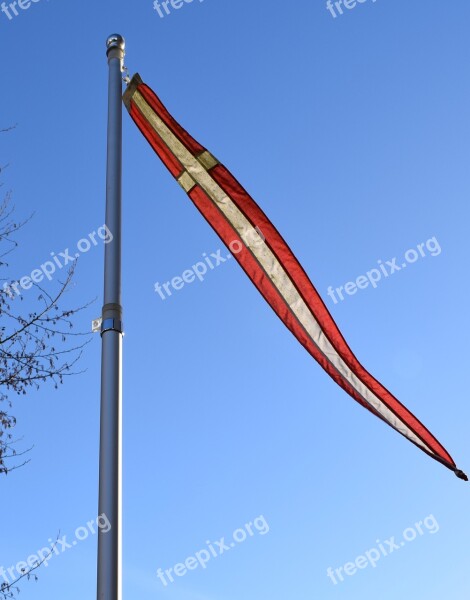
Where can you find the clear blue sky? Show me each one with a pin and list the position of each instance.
(353, 134)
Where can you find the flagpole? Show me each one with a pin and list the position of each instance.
(109, 585)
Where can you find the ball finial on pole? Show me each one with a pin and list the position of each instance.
(115, 40)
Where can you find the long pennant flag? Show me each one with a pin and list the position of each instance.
(269, 263)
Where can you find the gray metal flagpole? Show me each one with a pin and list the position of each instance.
(109, 544)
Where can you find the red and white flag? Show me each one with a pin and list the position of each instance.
(269, 263)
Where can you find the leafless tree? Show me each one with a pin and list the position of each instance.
(36, 347)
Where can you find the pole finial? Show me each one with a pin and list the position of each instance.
(115, 41)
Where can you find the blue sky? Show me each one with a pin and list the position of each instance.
(352, 134)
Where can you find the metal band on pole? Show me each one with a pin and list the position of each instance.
(109, 544)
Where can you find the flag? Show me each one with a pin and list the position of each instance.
(269, 263)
